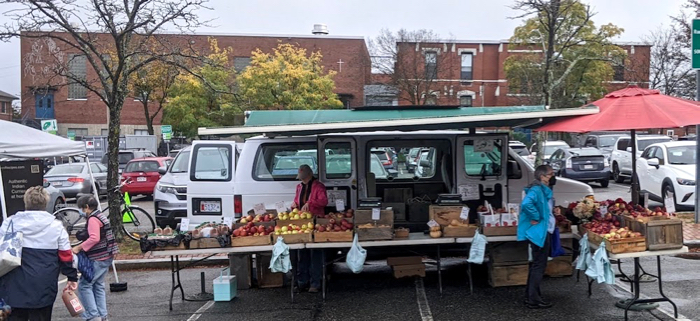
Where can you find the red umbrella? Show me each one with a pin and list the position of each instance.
(632, 108)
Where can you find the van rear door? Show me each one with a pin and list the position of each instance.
(210, 184)
(338, 169)
(481, 169)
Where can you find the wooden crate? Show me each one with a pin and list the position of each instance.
(205, 243)
(404, 260)
(564, 227)
(626, 245)
(401, 233)
(401, 271)
(265, 224)
(296, 238)
(267, 279)
(560, 266)
(443, 215)
(374, 233)
(459, 231)
(322, 237)
(386, 217)
(645, 219)
(251, 240)
(295, 222)
(499, 230)
(507, 253)
(660, 234)
(326, 221)
(510, 275)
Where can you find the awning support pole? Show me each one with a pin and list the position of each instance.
(635, 182)
(3, 204)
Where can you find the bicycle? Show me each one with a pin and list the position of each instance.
(136, 222)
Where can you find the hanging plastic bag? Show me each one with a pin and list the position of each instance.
(584, 259)
(10, 249)
(478, 249)
(556, 248)
(85, 266)
(356, 257)
(280, 261)
(601, 270)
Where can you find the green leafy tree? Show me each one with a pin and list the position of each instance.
(287, 79)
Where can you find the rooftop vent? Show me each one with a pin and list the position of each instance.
(320, 29)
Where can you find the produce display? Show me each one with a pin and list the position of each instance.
(338, 215)
(209, 229)
(257, 218)
(335, 226)
(435, 231)
(371, 225)
(250, 229)
(610, 230)
(294, 229)
(295, 214)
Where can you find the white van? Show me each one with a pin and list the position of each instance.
(455, 163)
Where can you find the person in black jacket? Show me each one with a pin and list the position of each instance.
(31, 288)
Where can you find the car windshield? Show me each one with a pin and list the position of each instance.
(585, 152)
(381, 154)
(180, 164)
(607, 141)
(142, 166)
(413, 153)
(682, 155)
(66, 169)
(643, 144)
(376, 167)
(125, 157)
(550, 149)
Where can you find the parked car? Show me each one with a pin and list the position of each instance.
(143, 174)
(170, 193)
(338, 166)
(519, 148)
(74, 180)
(412, 159)
(621, 158)
(548, 147)
(603, 142)
(384, 157)
(586, 164)
(127, 155)
(56, 198)
(668, 168)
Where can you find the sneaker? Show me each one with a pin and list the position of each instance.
(299, 289)
(538, 305)
(313, 290)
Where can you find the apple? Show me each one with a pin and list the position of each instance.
(321, 228)
(261, 229)
(244, 233)
(243, 221)
(331, 221)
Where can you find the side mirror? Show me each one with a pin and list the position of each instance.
(162, 170)
(425, 163)
(629, 149)
(514, 171)
(46, 184)
(653, 162)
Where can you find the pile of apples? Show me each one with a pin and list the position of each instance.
(251, 229)
(257, 218)
(335, 226)
(600, 227)
(658, 211)
(623, 233)
(294, 229)
(339, 215)
(295, 214)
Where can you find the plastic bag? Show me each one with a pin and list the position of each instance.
(601, 270)
(478, 249)
(556, 248)
(85, 266)
(584, 259)
(280, 261)
(10, 249)
(356, 257)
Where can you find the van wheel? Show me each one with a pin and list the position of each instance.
(604, 183)
(616, 174)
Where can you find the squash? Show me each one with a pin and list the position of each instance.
(435, 234)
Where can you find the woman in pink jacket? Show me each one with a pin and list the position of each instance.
(310, 197)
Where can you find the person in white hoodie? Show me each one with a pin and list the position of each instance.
(31, 288)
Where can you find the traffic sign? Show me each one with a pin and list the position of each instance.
(71, 135)
(50, 126)
(167, 131)
(696, 44)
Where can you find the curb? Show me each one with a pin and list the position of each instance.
(164, 263)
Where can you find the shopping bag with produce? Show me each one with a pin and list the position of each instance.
(356, 256)
(280, 261)
(10, 249)
(478, 249)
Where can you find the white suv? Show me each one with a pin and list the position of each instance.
(667, 168)
(621, 158)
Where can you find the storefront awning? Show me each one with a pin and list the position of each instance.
(310, 122)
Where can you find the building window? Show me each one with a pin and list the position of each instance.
(78, 131)
(619, 74)
(467, 61)
(3, 107)
(77, 68)
(104, 132)
(430, 64)
(465, 101)
(431, 100)
(345, 99)
(240, 63)
(141, 132)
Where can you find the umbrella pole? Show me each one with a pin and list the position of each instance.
(635, 183)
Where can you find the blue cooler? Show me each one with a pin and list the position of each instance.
(225, 286)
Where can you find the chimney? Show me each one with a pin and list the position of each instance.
(320, 29)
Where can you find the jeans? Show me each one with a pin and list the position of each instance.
(92, 294)
(536, 271)
(310, 268)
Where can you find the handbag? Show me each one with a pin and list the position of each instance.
(85, 266)
(10, 249)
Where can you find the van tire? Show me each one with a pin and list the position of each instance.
(616, 174)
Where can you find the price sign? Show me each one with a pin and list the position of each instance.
(376, 214)
(184, 225)
(228, 221)
(465, 213)
(603, 210)
(280, 207)
(646, 200)
(339, 205)
(259, 209)
(513, 208)
(670, 204)
(469, 192)
(432, 223)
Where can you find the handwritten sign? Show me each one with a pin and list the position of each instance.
(280, 207)
(259, 209)
(513, 208)
(469, 192)
(646, 200)
(670, 204)
(603, 210)
(432, 223)
(185, 225)
(228, 221)
(339, 205)
(483, 145)
(376, 214)
(465, 213)
(334, 195)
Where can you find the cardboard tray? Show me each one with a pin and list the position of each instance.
(323, 237)
(251, 240)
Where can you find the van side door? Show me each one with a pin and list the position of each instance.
(210, 183)
(337, 169)
(481, 169)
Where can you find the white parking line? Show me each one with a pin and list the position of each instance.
(201, 310)
(423, 306)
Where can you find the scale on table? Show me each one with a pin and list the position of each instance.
(449, 199)
(370, 202)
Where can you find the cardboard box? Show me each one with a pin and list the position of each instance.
(401, 271)
(508, 219)
(493, 220)
(404, 260)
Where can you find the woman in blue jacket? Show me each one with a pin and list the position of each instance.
(534, 221)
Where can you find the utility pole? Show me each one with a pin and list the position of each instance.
(695, 58)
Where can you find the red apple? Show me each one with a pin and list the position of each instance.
(331, 221)
(321, 229)
(337, 229)
(261, 229)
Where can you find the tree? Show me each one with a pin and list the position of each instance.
(115, 39)
(287, 79)
(575, 59)
(204, 98)
(401, 56)
(152, 84)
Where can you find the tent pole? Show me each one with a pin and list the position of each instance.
(635, 183)
(3, 204)
(95, 191)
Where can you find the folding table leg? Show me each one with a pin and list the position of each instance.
(661, 290)
(635, 283)
(439, 268)
(323, 281)
(469, 276)
(175, 276)
(294, 272)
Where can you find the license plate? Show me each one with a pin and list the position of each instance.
(141, 179)
(56, 183)
(587, 166)
(210, 206)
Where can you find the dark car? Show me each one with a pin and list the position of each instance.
(582, 164)
(125, 156)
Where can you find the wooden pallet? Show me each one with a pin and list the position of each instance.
(660, 234)
(251, 240)
(617, 246)
(323, 237)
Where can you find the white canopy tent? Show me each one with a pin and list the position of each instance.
(19, 141)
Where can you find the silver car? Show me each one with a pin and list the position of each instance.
(56, 198)
(170, 194)
(74, 179)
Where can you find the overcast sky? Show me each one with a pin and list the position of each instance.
(464, 20)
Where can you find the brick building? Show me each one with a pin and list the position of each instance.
(6, 105)
(471, 73)
(78, 110)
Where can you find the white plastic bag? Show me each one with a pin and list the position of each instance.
(356, 256)
(280, 261)
(10, 250)
(478, 249)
